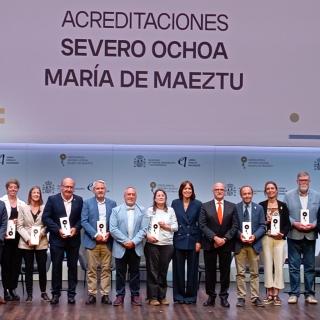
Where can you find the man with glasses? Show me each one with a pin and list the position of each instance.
(61, 211)
(303, 204)
(218, 223)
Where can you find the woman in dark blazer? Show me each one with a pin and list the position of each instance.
(273, 244)
(187, 245)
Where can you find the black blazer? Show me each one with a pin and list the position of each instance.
(188, 225)
(285, 223)
(53, 211)
(210, 226)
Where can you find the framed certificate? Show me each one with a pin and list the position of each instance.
(11, 229)
(65, 226)
(275, 225)
(246, 230)
(35, 235)
(304, 216)
(101, 227)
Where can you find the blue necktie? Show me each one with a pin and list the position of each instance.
(246, 214)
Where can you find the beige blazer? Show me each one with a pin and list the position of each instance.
(24, 224)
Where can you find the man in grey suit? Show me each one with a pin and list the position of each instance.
(128, 227)
(3, 230)
(302, 237)
(247, 249)
(97, 241)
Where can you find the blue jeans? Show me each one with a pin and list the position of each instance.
(301, 250)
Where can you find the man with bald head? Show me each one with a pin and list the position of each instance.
(219, 223)
(64, 205)
(128, 227)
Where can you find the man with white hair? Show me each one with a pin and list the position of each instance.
(302, 202)
(95, 217)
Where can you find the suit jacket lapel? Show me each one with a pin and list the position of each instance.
(63, 207)
(185, 213)
(214, 211)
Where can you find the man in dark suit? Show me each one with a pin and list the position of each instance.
(98, 242)
(3, 230)
(247, 249)
(64, 205)
(218, 223)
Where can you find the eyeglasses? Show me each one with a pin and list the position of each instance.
(218, 189)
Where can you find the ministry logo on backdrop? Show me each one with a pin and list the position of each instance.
(139, 162)
(8, 160)
(167, 187)
(255, 163)
(316, 165)
(153, 186)
(231, 190)
(142, 162)
(243, 162)
(48, 187)
(72, 160)
(62, 157)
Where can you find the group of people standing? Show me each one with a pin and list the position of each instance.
(162, 233)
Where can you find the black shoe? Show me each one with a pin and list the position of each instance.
(55, 299)
(210, 301)
(45, 297)
(240, 302)
(71, 300)
(189, 302)
(105, 300)
(6, 295)
(91, 299)
(29, 298)
(13, 294)
(179, 302)
(257, 302)
(224, 302)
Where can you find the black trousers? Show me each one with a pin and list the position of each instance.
(41, 258)
(129, 262)
(57, 256)
(182, 290)
(157, 262)
(210, 261)
(11, 263)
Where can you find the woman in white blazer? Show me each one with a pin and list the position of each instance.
(33, 241)
(11, 258)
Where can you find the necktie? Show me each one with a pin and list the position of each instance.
(246, 214)
(220, 216)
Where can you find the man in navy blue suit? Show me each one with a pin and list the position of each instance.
(64, 205)
(248, 247)
(219, 223)
(98, 241)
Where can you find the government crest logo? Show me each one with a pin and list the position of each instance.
(139, 162)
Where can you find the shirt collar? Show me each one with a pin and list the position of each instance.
(65, 200)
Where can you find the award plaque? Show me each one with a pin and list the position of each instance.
(35, 235)
(11, 230)
(101, 227)
(65, 226)
(304, 216)
(154, 228)
(246, 230)
(275, 225)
